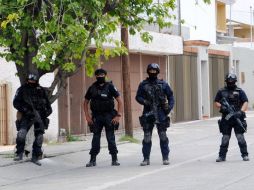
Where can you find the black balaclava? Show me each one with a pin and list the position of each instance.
(231, 85)
(32, 85)
(100, 80)
(153, 76)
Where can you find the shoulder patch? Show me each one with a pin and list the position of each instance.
(115, 89)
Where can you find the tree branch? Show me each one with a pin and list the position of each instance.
(110, 6)
(49, 9)
(60, 81)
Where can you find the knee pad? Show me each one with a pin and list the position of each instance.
(163, 136)
(147, 137)
(225, 139)
(240, 138)
(21, 136)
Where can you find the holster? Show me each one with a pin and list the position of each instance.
(164, 125)
(143, 122)
(18, 120)
(220, 126)
(46, 123)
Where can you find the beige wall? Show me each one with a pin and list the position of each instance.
(71, 115)
(221, 17)
(242, 33)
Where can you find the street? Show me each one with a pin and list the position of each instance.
(194, 147)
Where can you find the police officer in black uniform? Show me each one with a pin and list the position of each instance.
(101, 95)
(236, 98)
(157, 98)
(33, 105)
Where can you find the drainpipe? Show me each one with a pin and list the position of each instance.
(251, 27)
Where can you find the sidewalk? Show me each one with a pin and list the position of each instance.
(53, 150)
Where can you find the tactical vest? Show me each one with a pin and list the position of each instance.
(102, 101)
(233, 97)
(37, 97)
(154, 92)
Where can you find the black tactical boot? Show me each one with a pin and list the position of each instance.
(35, 160)
(92, 161)
(220, 159)
(114, 160)
(165, 161)
(246, 158)
(18, 157)
(145, 162)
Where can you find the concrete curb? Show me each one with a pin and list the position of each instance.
(52, 155)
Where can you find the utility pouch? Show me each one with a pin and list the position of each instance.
(46, 123)
(142, 120)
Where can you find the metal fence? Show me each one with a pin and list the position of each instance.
(218, 68)
(183, 80)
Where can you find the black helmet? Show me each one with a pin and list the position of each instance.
(100, 71)
(153, 66)
(230, 78)
(33, 77)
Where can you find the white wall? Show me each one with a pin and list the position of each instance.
(7, 74)
(162, 44)
(200, 18)
(246, 57)
(203, 82)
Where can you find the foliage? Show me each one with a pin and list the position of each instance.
(71, 138)
(129, 139)
(56, 36)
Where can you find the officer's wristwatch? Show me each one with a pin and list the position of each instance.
(119, 115)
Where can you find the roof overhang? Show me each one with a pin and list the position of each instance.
(196, 43)
(162, 44)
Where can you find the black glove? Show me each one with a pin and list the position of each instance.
(166, 108)
(223, 109)
(92, 128)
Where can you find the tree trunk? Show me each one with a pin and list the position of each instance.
(126, 85)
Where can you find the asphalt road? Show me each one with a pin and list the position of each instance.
(194, 148)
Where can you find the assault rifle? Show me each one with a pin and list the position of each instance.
(156, 102)
(231, 113)
(37, 117)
